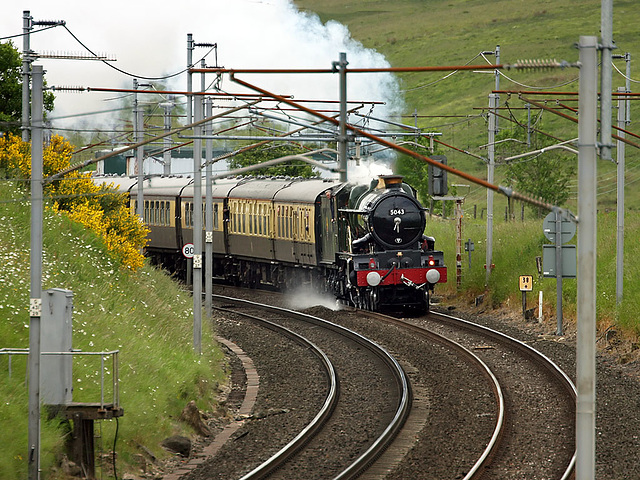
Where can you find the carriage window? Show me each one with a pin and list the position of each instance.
(233, 219)
(167, 213)
(283, 231)
(244, 218)
(188, 214)
(215, 217)
(251, 215)
(255, 218)
(146, 211)
(259, 220)
(289, 221)
(279, 223)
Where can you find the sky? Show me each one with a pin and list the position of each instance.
(149, 39)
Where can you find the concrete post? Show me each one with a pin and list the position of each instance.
(35, 307)
(586, 322)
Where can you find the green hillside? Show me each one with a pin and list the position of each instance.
(455, 32)
(144, 315)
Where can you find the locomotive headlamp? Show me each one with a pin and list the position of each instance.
(432, 262)
(373, 279)
(433, 275)
(399, 254)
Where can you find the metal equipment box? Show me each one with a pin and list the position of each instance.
(56, 381)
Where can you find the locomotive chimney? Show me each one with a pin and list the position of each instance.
(389, 181)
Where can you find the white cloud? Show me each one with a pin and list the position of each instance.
(150, 40)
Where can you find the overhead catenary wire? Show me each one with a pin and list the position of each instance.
(73, 168)
(129, 74)
(504, 190)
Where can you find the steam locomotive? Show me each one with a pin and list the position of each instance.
(363, 243)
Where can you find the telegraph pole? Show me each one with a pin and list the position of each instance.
(208, 210)
(35, 295)
(27, 59)
(620, 156)
(586, 322)
(208, 257)
(190, 47)
(26, 69)
(139, 151)
(491, 147)
(606, 28)
(342, 135)
(494, 99)
(168, 105)
(197, 230)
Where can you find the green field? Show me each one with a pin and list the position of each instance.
(455, 32)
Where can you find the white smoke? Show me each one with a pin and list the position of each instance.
(150, 40)
(306, 297)
(367, 170)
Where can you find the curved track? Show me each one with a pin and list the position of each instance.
(447, 435)
(566, 393)
(295, 447)
(539, 389)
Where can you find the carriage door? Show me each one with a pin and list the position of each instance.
(295, 233)
(326, 228)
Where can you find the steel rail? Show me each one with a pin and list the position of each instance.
(331, 400)
(549, 364)
(498, 431)
(403, 408)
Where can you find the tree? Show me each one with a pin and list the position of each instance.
(258, 155)
(102, 209)
(545, 176)
(11, 89)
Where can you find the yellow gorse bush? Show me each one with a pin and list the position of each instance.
(101, 209)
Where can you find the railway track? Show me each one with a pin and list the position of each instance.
(481, 401)
(539, 402)
(360, 414)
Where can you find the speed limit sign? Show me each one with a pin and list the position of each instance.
(188, 250)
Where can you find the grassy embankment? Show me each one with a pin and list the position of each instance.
(516, 244)
(454, 32)
(144, 315)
